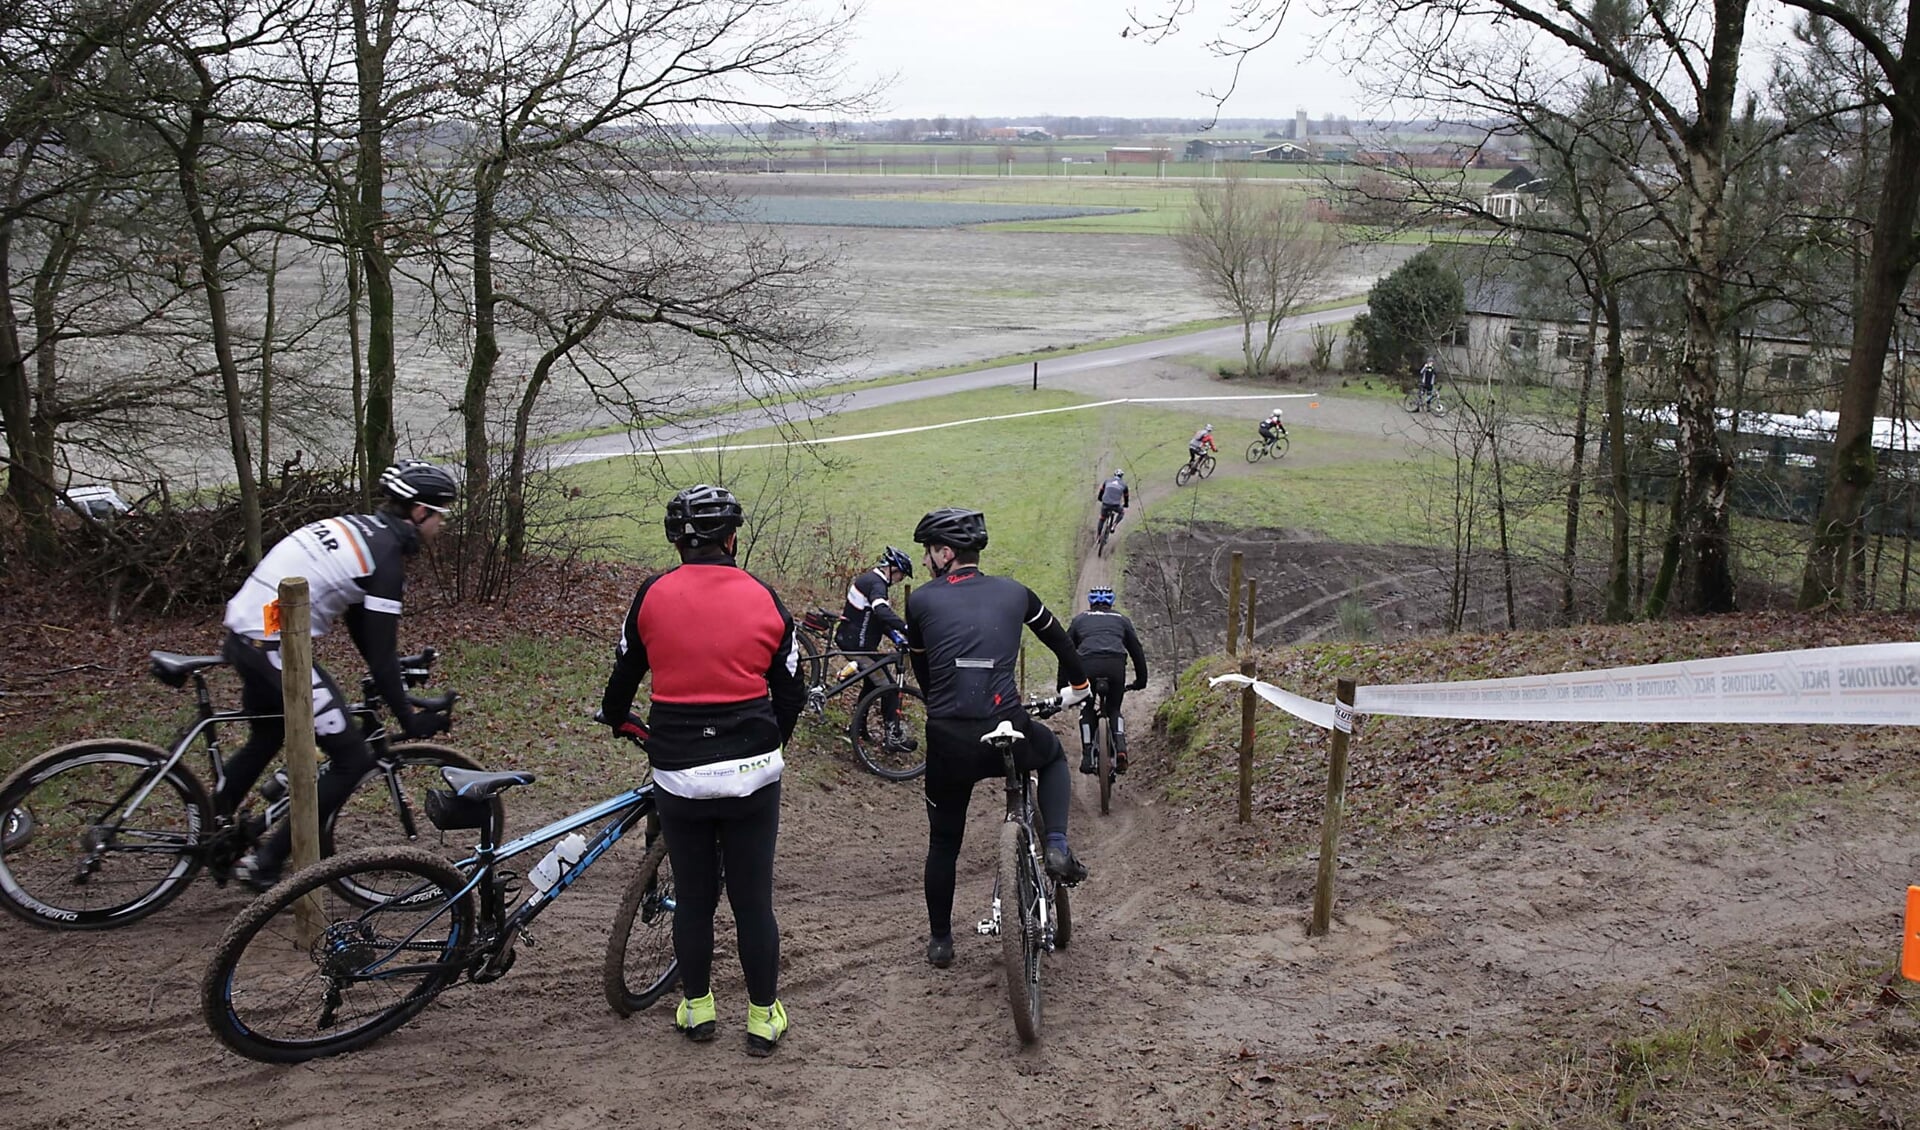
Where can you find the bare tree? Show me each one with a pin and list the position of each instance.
(1257, 252)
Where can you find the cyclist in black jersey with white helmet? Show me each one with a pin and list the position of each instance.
(963, 629)
(354, 565)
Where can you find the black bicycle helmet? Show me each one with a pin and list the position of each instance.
(702, 515)
(412, 481)
(896, 559)
(952, 526)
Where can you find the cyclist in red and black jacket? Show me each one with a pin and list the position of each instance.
(726, 694)
(963, 627)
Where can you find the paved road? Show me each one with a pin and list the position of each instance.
(1221, 341)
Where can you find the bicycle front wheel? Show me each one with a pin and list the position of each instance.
(273, 998)
(1280, 445)
(640, 965)
(98, 836)
(894, 748)
(1020, 941)
(1206, 465)
(387, 808)
(1437, 406)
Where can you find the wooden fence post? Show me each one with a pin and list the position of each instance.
(1253, 589)
(1246, 743)
(1233, 606)
(303, 755)
(1336, 806)
(1036, 376)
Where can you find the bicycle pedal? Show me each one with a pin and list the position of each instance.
(987, 927)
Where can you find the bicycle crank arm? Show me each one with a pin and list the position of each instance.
(990, 925)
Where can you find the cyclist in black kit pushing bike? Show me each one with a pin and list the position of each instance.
(963, 632)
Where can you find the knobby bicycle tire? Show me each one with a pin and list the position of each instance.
(1103, 760)
(1256, 451)
(1206, 465)
(369, 817)
(71, 796)
(1183, 476)
(872, 742)
(1020, 940)
(361, 952)
(1062, 914)
(640, 966)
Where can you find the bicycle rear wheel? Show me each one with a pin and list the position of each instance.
(891, 748)
(640, 965)
(1412, 402)
(371, 969)
(1103, 761)
(83, 853)
(388, 808)
(1183, 476)
(1256, 451)
(1020, 938)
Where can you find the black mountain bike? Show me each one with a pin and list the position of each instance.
(372, 969)
(1108, 520)
(1103, 744)
(104, 832)
(890, 745)
(1042, 921)
(1275, 448)
(1199, 466)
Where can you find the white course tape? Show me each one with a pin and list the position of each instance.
(1865, 685)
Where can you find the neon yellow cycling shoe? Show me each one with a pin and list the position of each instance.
(765, 1026)
(695, 1018)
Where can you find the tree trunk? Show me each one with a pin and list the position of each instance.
(1570, 545)
(371, 45)
(1823, 581)
(266, 365)
(1620, 566)
(486, 342)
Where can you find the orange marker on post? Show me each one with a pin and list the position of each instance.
(1910, 938)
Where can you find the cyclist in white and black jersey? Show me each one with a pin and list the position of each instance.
(1114, 497)
(867, 619)
(354, 565)
(964, 629)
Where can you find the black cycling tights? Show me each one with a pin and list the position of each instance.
(701, 836)
(955, 762)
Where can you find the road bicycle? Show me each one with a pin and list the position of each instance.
(1200, 465)
(104, 832)
(1042, 921)
(1109, 519)
(888, 743)
(273, 998)
(1428, 399)
(1274, 448)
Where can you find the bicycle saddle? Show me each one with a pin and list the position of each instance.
(1003, 733)
(173, 669)
(480, 784)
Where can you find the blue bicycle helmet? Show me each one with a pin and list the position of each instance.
(896, 559)
(1099, 597)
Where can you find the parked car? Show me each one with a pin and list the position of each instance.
(99, 500)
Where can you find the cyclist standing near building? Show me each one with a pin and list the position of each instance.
(354, 565)
(1106, 641)
(1427, 381)
(1202, 441)
(963, 627)
(1114, 497)
(726, 694)
(867, 619)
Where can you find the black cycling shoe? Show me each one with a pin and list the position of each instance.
(1063, 866)
(1086, 764)
(256, 875)
(1119, 763)
(940, 952)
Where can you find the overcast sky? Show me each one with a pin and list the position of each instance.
(1034, 57)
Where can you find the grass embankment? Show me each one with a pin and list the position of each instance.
(1754, 1038)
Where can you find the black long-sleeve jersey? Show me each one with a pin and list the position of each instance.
(964, 632)
(868, 615)
(1108, 633)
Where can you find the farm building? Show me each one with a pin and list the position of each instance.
(1220, 149)
(1139, 155)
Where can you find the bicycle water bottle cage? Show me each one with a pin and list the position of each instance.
(1003, 734)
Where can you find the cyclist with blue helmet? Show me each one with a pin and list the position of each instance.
(1105, 641)
(867, 619)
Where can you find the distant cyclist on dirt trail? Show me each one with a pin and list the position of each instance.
(1202, 441)
(1106, 640)
(354, 565)
(720, 648)
(963, 627)
(1114, 497)
(1271, 427)
(867, 619)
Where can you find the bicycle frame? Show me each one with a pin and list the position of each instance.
(892, 662)
(1019, 786)
(497, 927)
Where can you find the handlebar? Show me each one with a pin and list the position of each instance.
(1044, 707)
(633, 731)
